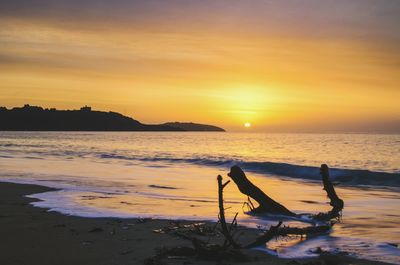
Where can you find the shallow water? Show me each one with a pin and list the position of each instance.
(173, 175)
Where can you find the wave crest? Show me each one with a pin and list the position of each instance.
(341, 175)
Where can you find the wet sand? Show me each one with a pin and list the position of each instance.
(31, 235)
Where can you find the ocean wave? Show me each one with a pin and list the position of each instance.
(23, 145)
(351, 177)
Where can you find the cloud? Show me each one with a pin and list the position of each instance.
(356, 19)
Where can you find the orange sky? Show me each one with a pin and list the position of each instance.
(282, 66)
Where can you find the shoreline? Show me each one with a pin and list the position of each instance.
(32, 235)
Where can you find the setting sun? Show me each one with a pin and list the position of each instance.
(247, 125)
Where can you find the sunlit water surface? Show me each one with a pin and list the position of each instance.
(173, 175)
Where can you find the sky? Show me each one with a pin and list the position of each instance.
(283, 66)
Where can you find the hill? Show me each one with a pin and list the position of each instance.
(190, 126)
(33, 118)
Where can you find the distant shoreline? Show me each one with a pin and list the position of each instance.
(35, 118)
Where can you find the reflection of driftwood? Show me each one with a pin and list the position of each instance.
(266, 204)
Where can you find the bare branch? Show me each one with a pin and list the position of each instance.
(222, 220)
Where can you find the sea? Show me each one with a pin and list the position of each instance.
(172, 175)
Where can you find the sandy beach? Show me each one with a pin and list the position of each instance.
(32, 235)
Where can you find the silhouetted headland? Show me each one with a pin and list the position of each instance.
(34, 118)
(190, 126)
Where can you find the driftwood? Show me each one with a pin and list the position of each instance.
(231, 248)
(266, 204)
(273, 232)
(224, 227)
(276, 231)
(336, 203)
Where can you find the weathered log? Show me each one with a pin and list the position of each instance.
(266, 204)
(276, 231)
